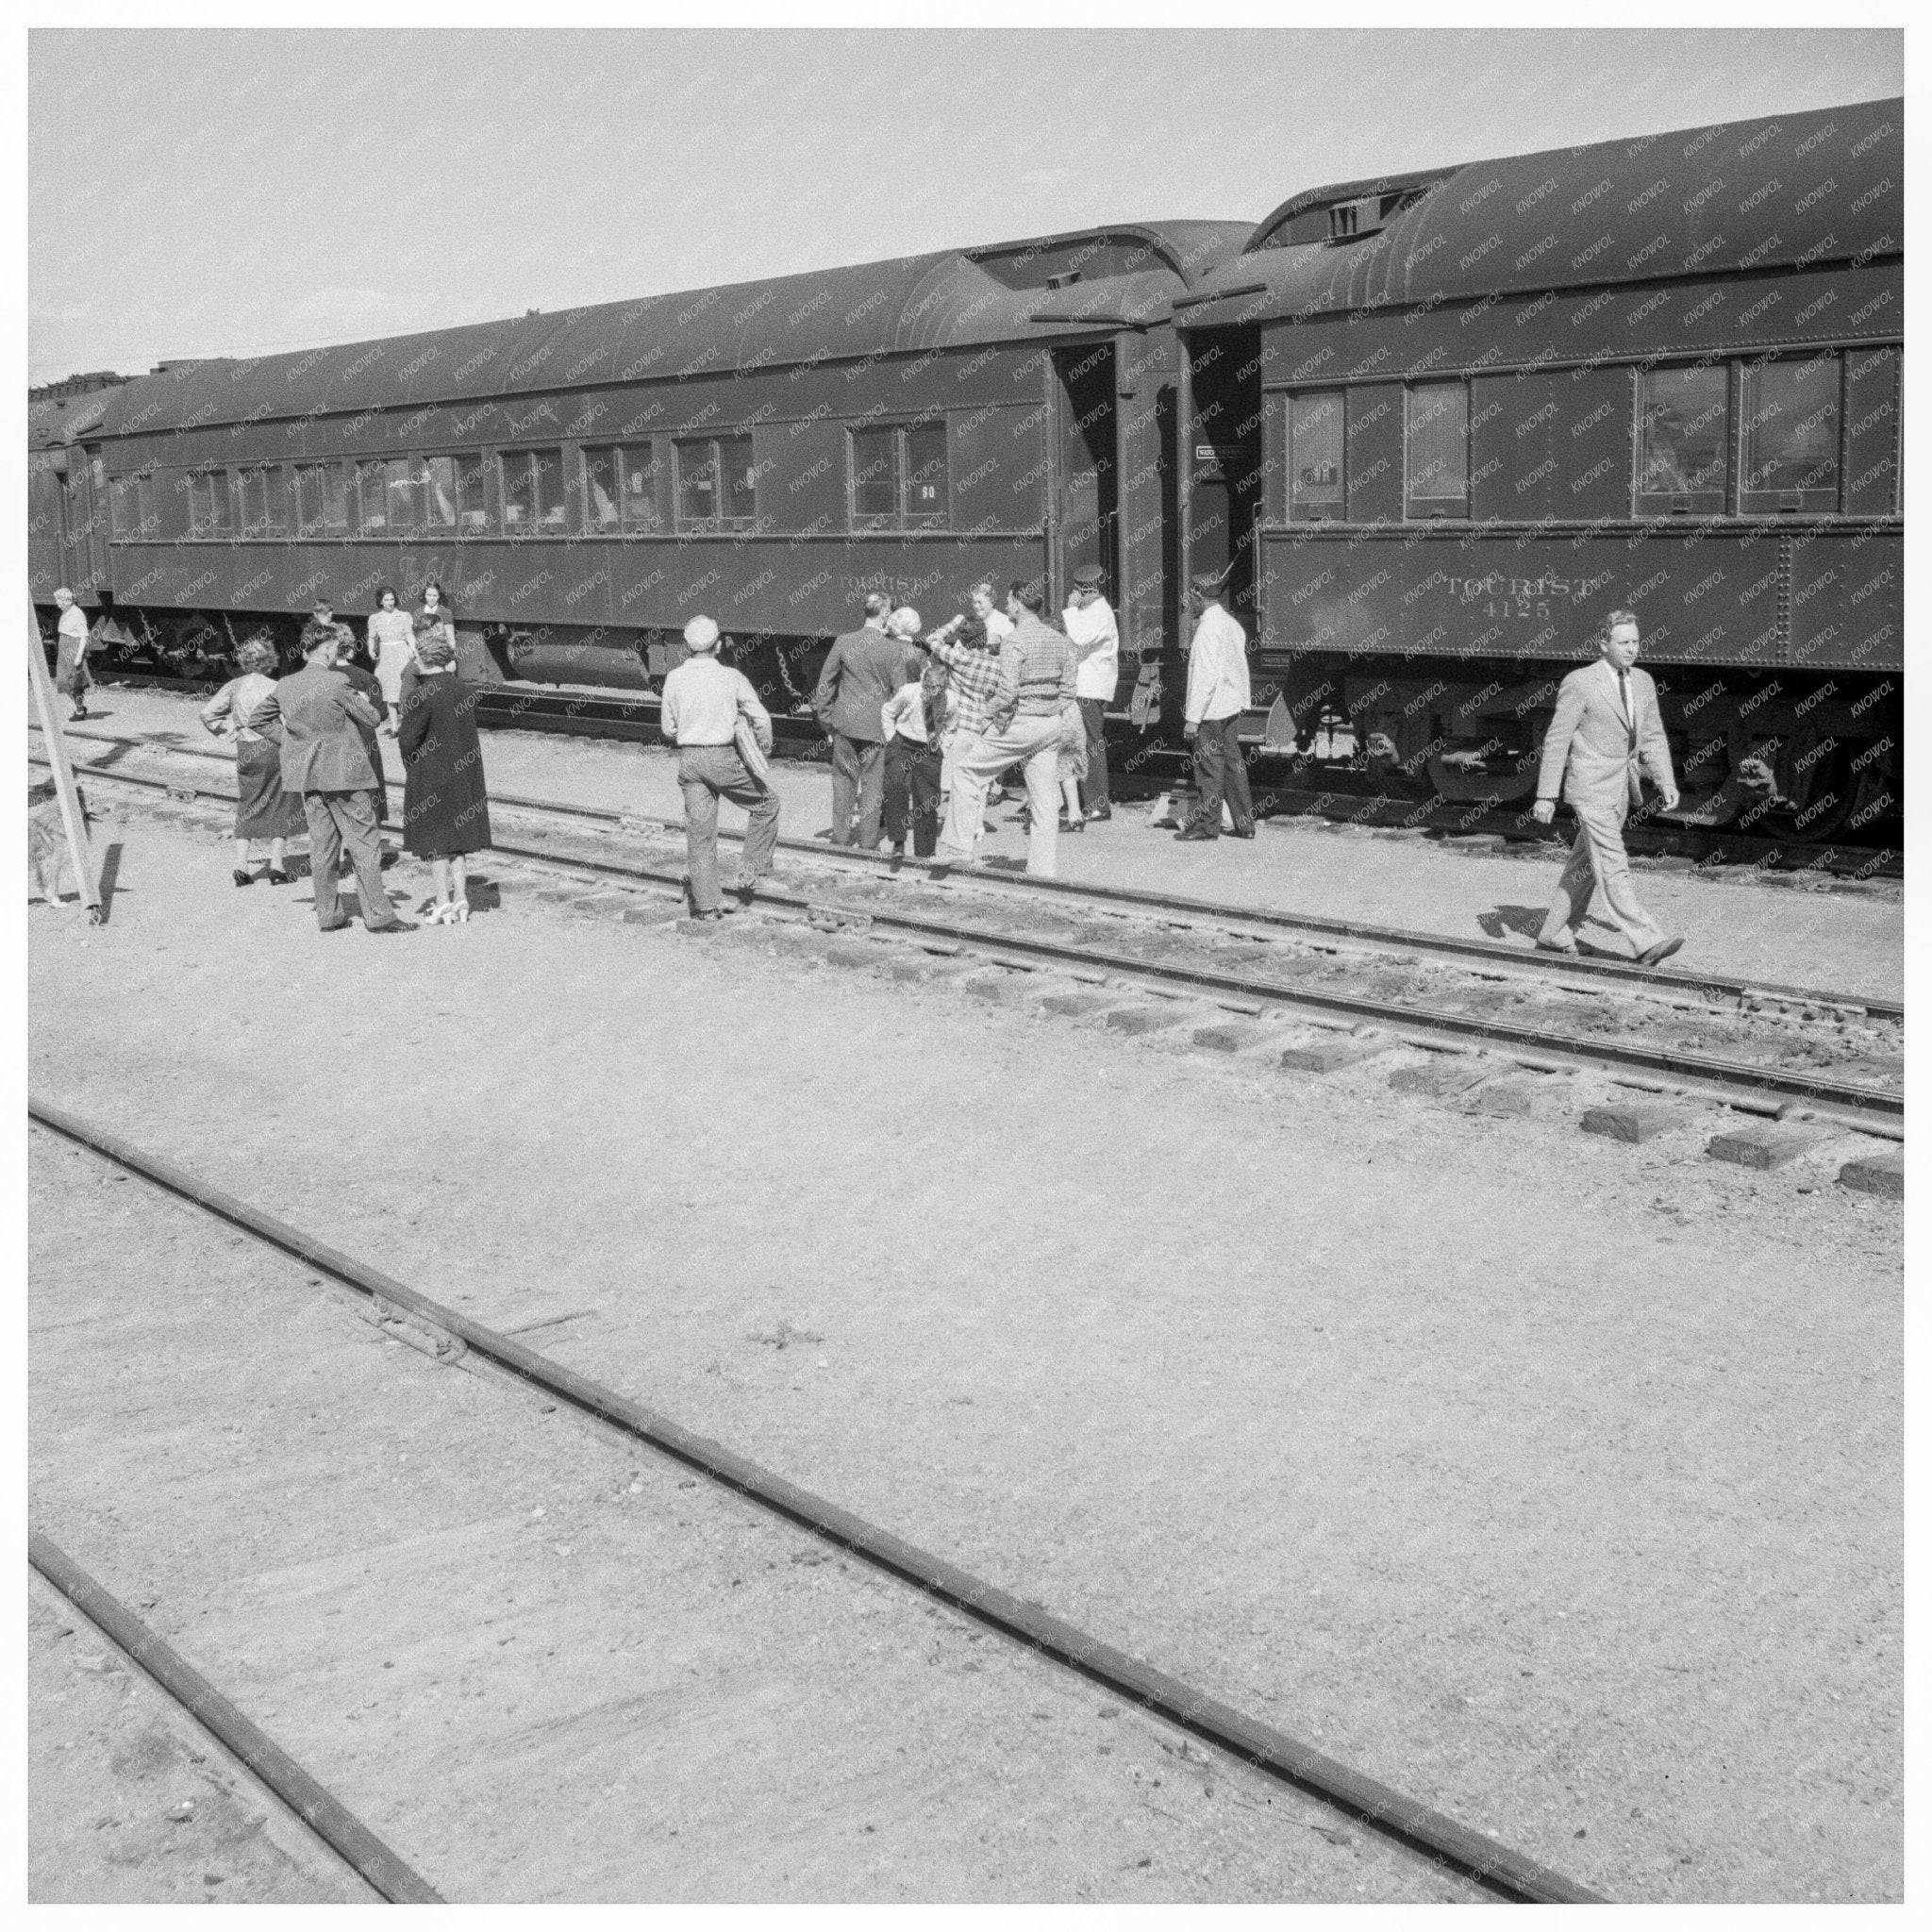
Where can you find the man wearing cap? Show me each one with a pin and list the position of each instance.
(1218, 694)
(1089, 623)
(865, 667)
(326, 729)
(710, 712)
(1606, 732)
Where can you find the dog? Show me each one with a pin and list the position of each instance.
(46, 840)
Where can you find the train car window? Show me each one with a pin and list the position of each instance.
(436, 493)
(1791, 458)
(260, 494)
(375, 510)
(1437, 445)
(131, 505)
(927, 505)
(533, 494)
(210, 507)
(472, 494)
(1314, 457)
(601, 490)
(322, 497)
(717, 483)
(738, 466)
(1683, 441)
(875, 478)
(637, 469)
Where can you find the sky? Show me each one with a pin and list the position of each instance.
(246, 192)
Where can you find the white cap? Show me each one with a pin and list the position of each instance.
(701, 634)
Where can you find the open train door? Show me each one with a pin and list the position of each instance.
(1086, 525)
(1221, 461)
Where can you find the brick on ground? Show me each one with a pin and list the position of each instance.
(1520, 1099)
(1765, 1145)
(927, 967)
(1635, 1121)
(1333, 1051)
(1875, 1174)
(1443, 1078)
(1078, 1003)
(1235, 1034)
(1150, 1017)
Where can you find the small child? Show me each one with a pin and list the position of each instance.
(914, 718)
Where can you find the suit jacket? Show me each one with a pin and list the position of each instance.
(864, 669)
(1592, 752)
(324, 720)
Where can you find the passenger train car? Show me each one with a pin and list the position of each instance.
(580, 484)
(1451, 419)
(1432, 427)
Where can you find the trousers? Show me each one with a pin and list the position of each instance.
(858, 774)
(342, 822)
(912, 793)
(707, 772)
(1094, 786)
(1598, 860)
(977, 761)
(1219, 768)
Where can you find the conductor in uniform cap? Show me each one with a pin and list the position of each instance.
(1607, 731)
(722, 733)
(1218, 694)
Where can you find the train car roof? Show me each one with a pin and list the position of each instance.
(1782, 191)
(1003, 292)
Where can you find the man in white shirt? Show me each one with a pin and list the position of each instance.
(69, 672)
(1089, 623)
(1218, 694)
(705, 707)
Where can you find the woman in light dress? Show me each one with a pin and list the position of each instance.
(263, 809)
(435, 618)
(391, 650)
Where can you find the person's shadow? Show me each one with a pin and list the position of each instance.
(1524, 921)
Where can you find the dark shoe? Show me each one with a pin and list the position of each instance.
(1568, 952)
(1068, 824)
(334, 925)
(1657, 954)
(277, 878)
(243, 879)
(1243, 832)
(381, 932)
(388, 859)
(1195, 835)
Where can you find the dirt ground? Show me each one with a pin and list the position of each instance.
(1555, 1481)
(1735, 923)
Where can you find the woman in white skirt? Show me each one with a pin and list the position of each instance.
(391, 650)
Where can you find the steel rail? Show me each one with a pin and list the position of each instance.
(1722, 1078)
(1471, 1853)
(322, 1812)
(1582, 968)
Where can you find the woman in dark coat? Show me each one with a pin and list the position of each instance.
(445, 806)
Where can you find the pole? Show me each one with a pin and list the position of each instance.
(56, 743)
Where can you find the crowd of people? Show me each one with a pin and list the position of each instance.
(308, 757)
(925, 725)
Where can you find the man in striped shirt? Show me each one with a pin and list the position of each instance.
(1024, 718)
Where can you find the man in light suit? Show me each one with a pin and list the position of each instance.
(1606, 732)
(325, 759)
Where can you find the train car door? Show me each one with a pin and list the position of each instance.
(1220, 459)
(1086, 486)
(84, 508)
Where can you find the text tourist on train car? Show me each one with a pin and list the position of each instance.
(1606, 733)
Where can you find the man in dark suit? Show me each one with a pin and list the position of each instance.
(326, 759)
(864, 669)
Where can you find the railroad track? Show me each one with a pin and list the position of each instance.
(1425, 994)
(1327, 790)
(1474, 1855)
